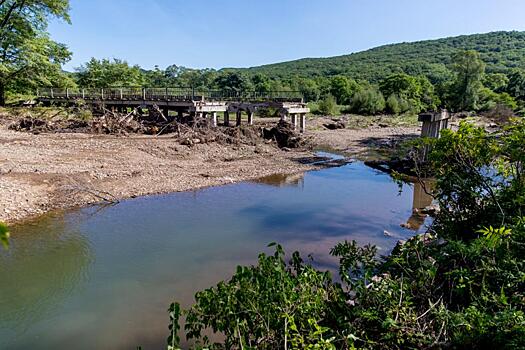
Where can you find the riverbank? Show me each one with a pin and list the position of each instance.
(50, 171)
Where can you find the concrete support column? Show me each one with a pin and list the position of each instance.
(293, 119)
(250, 117)
(283, 116)
(239, 118)
(226, 118)
(214, 119)
(302, 123)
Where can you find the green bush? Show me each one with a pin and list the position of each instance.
(367, 101)
(328, 105)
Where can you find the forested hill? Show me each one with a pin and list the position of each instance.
(501, 51)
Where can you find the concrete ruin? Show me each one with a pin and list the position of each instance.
(186, 102)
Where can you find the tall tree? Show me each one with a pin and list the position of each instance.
(28, 57)
(233, 81)
(466, 89)
(107, 73)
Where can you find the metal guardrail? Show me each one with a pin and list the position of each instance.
(164, 94)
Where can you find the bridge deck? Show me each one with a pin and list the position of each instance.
(167, 94)
(183, 100)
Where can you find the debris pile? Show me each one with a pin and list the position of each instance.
(189, 130)
(284, 135)
(37, 125)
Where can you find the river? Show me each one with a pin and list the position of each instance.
(103, 277)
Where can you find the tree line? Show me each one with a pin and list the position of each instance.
(468, 87)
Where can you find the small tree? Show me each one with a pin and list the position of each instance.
(368, 101)
(327, 106)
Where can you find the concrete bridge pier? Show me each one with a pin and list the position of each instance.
(226, 118)
(250, 117)
(433, 124)
(302, 123)
(214, 119)
(239, 118)
(293, 120)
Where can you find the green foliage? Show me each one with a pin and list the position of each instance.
(368, 101)
(416, 92)
(109, 73)
(174, 327)
(261, 83)
(490, 100)
(264, 306)
(396, 105)
(501, 51)
(28, 57)
(516, 85)
(465, 91)
(233, 81)
(479, 177)
(343, 89)
(4, 235)
(309, 89)
(327, 106)
(496, 82)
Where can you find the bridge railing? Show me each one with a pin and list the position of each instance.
(166, 94)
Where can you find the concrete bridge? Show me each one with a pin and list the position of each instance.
(186, 101)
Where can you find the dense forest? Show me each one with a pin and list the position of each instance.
(501, 51)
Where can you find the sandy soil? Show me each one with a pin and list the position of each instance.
(358, 140)
(44, 172)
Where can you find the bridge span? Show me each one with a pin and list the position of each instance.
(185, 101)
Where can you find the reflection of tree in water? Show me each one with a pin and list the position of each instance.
(45, 263)
(281, 180)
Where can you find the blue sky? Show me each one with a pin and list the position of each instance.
(244, 33)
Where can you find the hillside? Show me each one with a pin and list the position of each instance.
(501, 51)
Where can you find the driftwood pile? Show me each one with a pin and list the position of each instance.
(37, 125)
(285, 135)
(189, 130)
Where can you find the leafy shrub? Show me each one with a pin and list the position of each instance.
(328, 105)
(367, 101)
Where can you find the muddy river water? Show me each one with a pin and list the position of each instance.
(102, 278)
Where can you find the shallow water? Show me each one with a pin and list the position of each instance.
(102, 278)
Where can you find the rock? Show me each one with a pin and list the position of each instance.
(336, 125)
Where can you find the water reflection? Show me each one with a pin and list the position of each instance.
(46, 263)
(280, 180)
(422, 199)
(103, 280)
